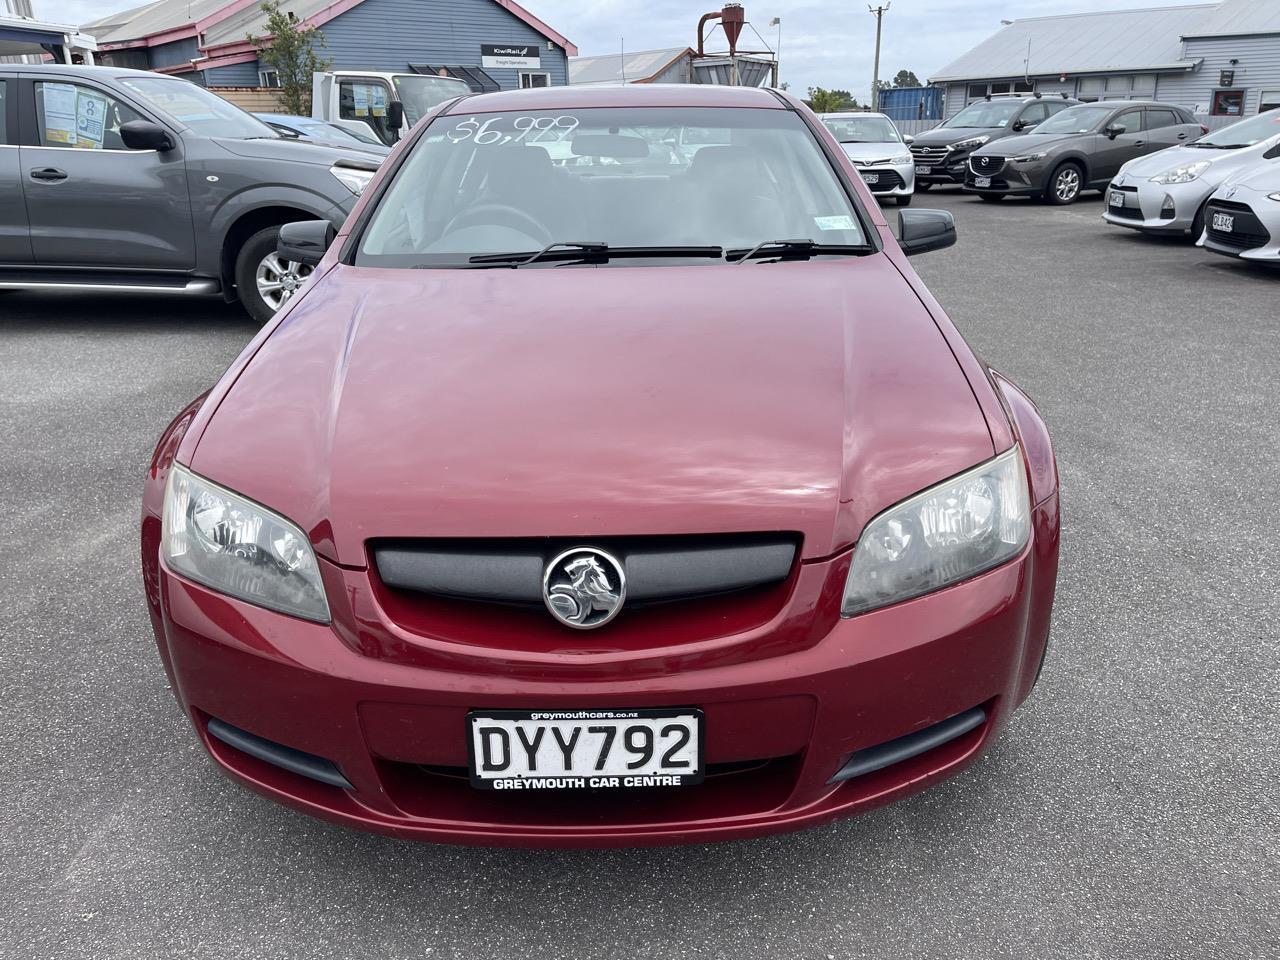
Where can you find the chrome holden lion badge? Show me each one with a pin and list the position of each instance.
(584, 588)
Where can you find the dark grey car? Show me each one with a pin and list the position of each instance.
(1079, 149)
(942, 154)
(130, 180)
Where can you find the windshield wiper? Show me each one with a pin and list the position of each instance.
(795, 250)
(590, 252)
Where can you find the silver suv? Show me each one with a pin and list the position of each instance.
(130, 180)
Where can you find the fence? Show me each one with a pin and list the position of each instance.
(253, 99)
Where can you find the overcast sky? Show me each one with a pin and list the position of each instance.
(827, 43)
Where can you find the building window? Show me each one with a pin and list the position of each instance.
(1024, 86)
(1270, 100)
(1228, 103)
(977, 91)
(530, 80)
(268, 78)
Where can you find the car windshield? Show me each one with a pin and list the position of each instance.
(320, 130)
(862, 129)
(1246, 133)
(420, 93)
(1079, 119)
(205, 113)
(984, 113)
(495, 183)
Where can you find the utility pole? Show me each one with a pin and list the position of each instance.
(878, 13)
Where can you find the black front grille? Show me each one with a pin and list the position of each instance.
(657, 569)
(930, 156)
(985, 166)
(1247, 231)
(885, 180)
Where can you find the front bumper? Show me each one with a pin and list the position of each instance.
(948, 169)
(1256, 230)
(787, 703)
(1147, 205)
(1011, 180)
(890, 180)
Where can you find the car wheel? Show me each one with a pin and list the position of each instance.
(1065, 184)
(1197, 223)
(264, 282)
(904, 201)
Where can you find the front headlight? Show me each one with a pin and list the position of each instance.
(941, 536)
(905, 158)
(1184, 174)
(353, 178)
(1029, 158)
(971, 144)
(234, 546)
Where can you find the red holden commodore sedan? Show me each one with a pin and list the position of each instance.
(614, 480)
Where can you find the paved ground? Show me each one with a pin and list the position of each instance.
(1131, 810)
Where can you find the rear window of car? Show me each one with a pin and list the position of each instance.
(494, 183)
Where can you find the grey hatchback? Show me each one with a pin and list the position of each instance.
(114, 179)
(1079, 149)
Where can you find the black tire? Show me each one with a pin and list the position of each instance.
(1197, 223)
(904, 201)
(251, 255)
(923, 187)
(991, 197)
(1064, 184)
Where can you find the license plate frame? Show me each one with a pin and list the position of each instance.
(549, 772)
(871, 179)
(1224, 222)
(1115, 198)
(982, 182)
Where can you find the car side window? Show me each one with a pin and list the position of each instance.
(1130, 120)
(1034, 114)
(1161, 118)
(1057, 106)
(80, 117)
(366, 101)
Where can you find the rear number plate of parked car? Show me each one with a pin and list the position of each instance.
(982, 181)
(871, 177)
(584, 749)
(1116, 199)
(1224, 222)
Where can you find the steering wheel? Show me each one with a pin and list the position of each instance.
(500, 214)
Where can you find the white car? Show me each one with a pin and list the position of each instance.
(874, 145)
(1242, 218)
(1165, 192)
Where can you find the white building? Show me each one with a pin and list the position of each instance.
(1220, 59)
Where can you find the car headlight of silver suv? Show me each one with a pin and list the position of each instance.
(942, 535)
(232, 545)
(1183, 174)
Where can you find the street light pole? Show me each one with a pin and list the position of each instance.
(878, 13)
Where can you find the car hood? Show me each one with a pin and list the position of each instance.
(1026, 143)
(297, 151)
(874, 151)
(589, 402)
(1224, 162)
(1264, 177)
(941, 136)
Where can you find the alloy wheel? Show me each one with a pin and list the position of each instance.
(1067, 184)
(278, 280)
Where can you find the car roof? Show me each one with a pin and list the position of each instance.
(101, 73)
(1124, 104)
(636, 95)
(852, 115)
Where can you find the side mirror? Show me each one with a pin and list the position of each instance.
(1115, 130)
(145, 135)
(1019, 125)
(395, 115)
(908, 140)
(920, 231)
(305, 241)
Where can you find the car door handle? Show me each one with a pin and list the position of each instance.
(48, 174)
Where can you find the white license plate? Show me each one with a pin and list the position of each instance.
(1116, 199)
(1224, 222)
(982, 181)
(871, 177)
(584, 749)
(924, 170)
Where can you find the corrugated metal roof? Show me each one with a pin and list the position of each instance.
(150, 19)
(1237, 17)
(252, 20)
(609, 68)
(1121, 40)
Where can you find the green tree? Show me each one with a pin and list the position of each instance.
(905, 78)
(289, 48)
(830, 101)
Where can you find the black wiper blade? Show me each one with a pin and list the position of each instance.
(795, 250)
(591, 252)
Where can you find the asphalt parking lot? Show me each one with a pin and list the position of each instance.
(1131, 810)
